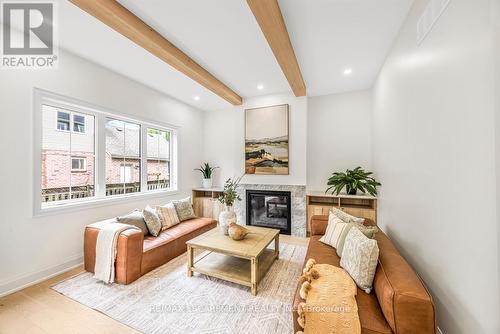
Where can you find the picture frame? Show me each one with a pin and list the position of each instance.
(267, 140)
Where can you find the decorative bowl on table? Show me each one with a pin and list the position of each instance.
(237, 232)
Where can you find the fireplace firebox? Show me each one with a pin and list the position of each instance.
(269, 209)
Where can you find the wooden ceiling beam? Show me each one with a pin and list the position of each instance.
(271, 22)
(119, 18)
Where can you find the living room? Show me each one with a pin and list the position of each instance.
(192, 166)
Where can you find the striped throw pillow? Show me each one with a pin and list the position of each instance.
(168, 216)
(337, 230)
(334, 231)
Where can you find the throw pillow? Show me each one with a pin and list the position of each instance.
(168, 216)
(184, 209)
(337, 230)
(360, 258)
(347, 218)
(369, 231)
(152, 220)
(135, 218)
(334, 231)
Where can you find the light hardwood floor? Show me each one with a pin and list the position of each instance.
(39, 309)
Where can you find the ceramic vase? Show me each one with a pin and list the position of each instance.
(207, 183)
(226, 217)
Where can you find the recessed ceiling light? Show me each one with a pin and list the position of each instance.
(196, 98)
(348, 71)
(260, 87)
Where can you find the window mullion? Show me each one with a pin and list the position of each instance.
(144, 162)
(100, 156)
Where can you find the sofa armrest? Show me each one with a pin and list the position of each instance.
(129, 251)
(318, 225)
(128, 256)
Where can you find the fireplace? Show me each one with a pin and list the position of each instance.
(269, 209)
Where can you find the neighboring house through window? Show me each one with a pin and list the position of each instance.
(78, 164)
(125, 173)
(65, 118)
(78, 123)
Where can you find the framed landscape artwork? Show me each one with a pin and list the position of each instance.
(266, 140)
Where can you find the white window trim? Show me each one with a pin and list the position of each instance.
(42, 97)
(72, 122)
(84, 165)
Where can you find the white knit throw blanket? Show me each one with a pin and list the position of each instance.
(105, 253)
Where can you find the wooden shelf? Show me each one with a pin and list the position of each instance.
(205, 202)
(233, 269)
(319, 203)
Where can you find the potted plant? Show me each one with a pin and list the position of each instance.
(207, 172)
(228, 198)
(353, 180)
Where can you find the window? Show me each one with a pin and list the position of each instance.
(123, 167)
(63, 121)
(78, 123)
(75, 165)
(65, 175)
(78, 164)
(158, 159)
(125, 173)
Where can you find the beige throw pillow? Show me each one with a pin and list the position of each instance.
(347, 218)
(334, 231)
(152, 220)
(184, 209)
(168, 216)
(135, 218)
(360, 258)
(337, 230)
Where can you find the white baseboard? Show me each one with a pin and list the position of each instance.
(439, 331)
(26, 280)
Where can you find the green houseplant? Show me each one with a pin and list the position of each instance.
(228, 197)
(353, 180)
(207, 172)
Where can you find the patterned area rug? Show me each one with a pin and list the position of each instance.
(167, 301)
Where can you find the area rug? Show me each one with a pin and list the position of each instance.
(167, 301)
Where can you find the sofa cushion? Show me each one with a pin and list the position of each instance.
(172, 242)
(359, 258)
(135, 218)
(168, 216)
(152, 220)
(347, 218)
(184, 209)
(176, 232)
(402, 296)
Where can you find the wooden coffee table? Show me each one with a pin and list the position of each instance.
(243, 262)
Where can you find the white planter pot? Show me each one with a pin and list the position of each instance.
(225, 218)
(207, 183)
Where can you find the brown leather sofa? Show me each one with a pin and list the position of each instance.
(138, 254)
(399, 302)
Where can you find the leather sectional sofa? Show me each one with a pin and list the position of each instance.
(399, 302)
(138, 254)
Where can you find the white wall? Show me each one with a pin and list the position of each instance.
(224, 140)
(338, 135)
(496, 48)
(434, 151)
(31, 248)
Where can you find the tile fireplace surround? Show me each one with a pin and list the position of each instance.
(298, 202)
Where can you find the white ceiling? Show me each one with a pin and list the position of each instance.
(223, 36)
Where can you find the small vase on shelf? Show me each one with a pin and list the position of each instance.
(207, 183)
(226, 217)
